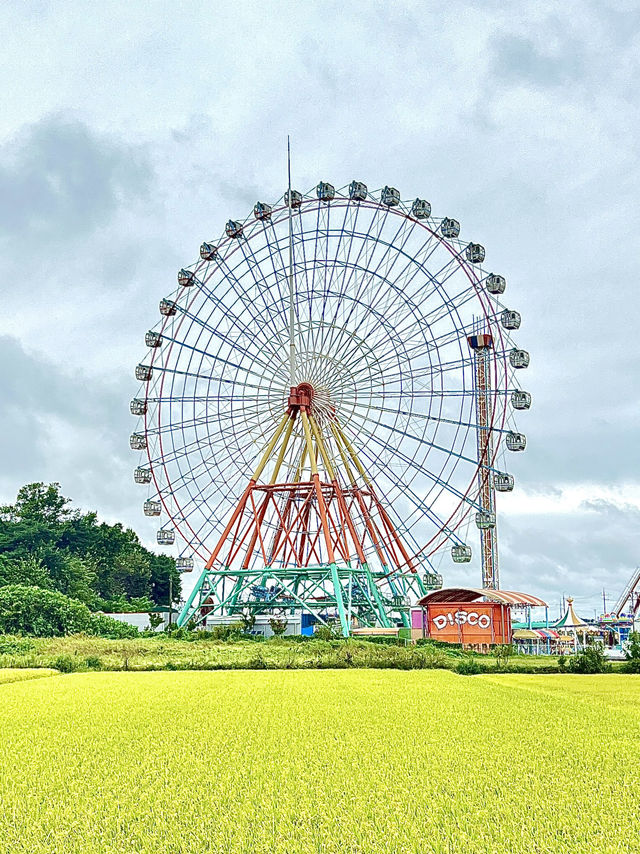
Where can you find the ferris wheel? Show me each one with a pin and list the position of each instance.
(353, 348)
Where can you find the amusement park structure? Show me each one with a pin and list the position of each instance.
(326, 406)
(630, 596)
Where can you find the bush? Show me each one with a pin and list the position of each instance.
(502, 653)
(39, 612)
(230, 632)
(15, 645)
(93, 662)
(469, 667)
(590, 660)
(325, 633)
(47, 613)
(107, 627)
(257, 662)
(278, 626)
(632, 653)
(66, 664)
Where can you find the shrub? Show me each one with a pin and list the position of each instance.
(632, 653)
(93, 662)
(15, 645)
(590, 660)
(47, 613)
(468, 667)
(39, 612)
(433, 658)
(230, 632)
(66, 664)
(278, 626)
(107, 627)
(502, 653)
(325, 633)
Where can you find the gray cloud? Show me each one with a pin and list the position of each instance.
(65, 426)
(59, 179)
(517, 58)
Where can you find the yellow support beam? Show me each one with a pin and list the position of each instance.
(300, 469)
(271, 446)
(353, 454)
(307, 435)
(323, 450)
(345, 461)
(283, 450)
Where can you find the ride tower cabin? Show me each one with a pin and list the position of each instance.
(481, 345)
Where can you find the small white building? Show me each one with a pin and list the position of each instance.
(140, 619)
(261, 627)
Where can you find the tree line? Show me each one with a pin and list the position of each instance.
(44, 543)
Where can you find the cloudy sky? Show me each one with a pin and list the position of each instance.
(131, 131)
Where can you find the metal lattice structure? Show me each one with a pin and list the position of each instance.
(309, 416)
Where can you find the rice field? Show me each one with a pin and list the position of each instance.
(285, 762)
(7, 674)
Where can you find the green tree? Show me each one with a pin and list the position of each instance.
(632, 654)
(38, 502)
(24, 570)
(163, 568)
(45, 543)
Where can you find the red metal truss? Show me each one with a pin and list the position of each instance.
(312, 522)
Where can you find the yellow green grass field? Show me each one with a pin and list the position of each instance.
(9, 675)
(358, 761)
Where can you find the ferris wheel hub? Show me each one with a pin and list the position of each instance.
(300, 395)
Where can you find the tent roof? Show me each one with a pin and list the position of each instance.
(535, 634)
(473, 594)
(570, 620)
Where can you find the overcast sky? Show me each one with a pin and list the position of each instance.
(130, 132)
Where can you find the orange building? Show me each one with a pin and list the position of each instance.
(474, 617)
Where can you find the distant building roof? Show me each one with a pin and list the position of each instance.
(473, 594)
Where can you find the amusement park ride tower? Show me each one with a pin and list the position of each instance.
(319, 413)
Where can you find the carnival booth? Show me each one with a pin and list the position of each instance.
(616, 628)
(477, 618)
(542, 641)
(571, 624)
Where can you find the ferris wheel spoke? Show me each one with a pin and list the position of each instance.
(229, 398)
(234, 344)
(367, 248)
(226, 310)
(226, 363)
(177, 453)
(411, 462)
(418, 502)
(422, 441)
(193, 474)
(471, 424)
(441, 368)
(275, 321)
(172, 428)
(351, 216)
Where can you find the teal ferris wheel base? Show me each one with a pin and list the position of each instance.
(332, 595)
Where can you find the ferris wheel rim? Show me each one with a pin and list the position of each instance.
(466, 268)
